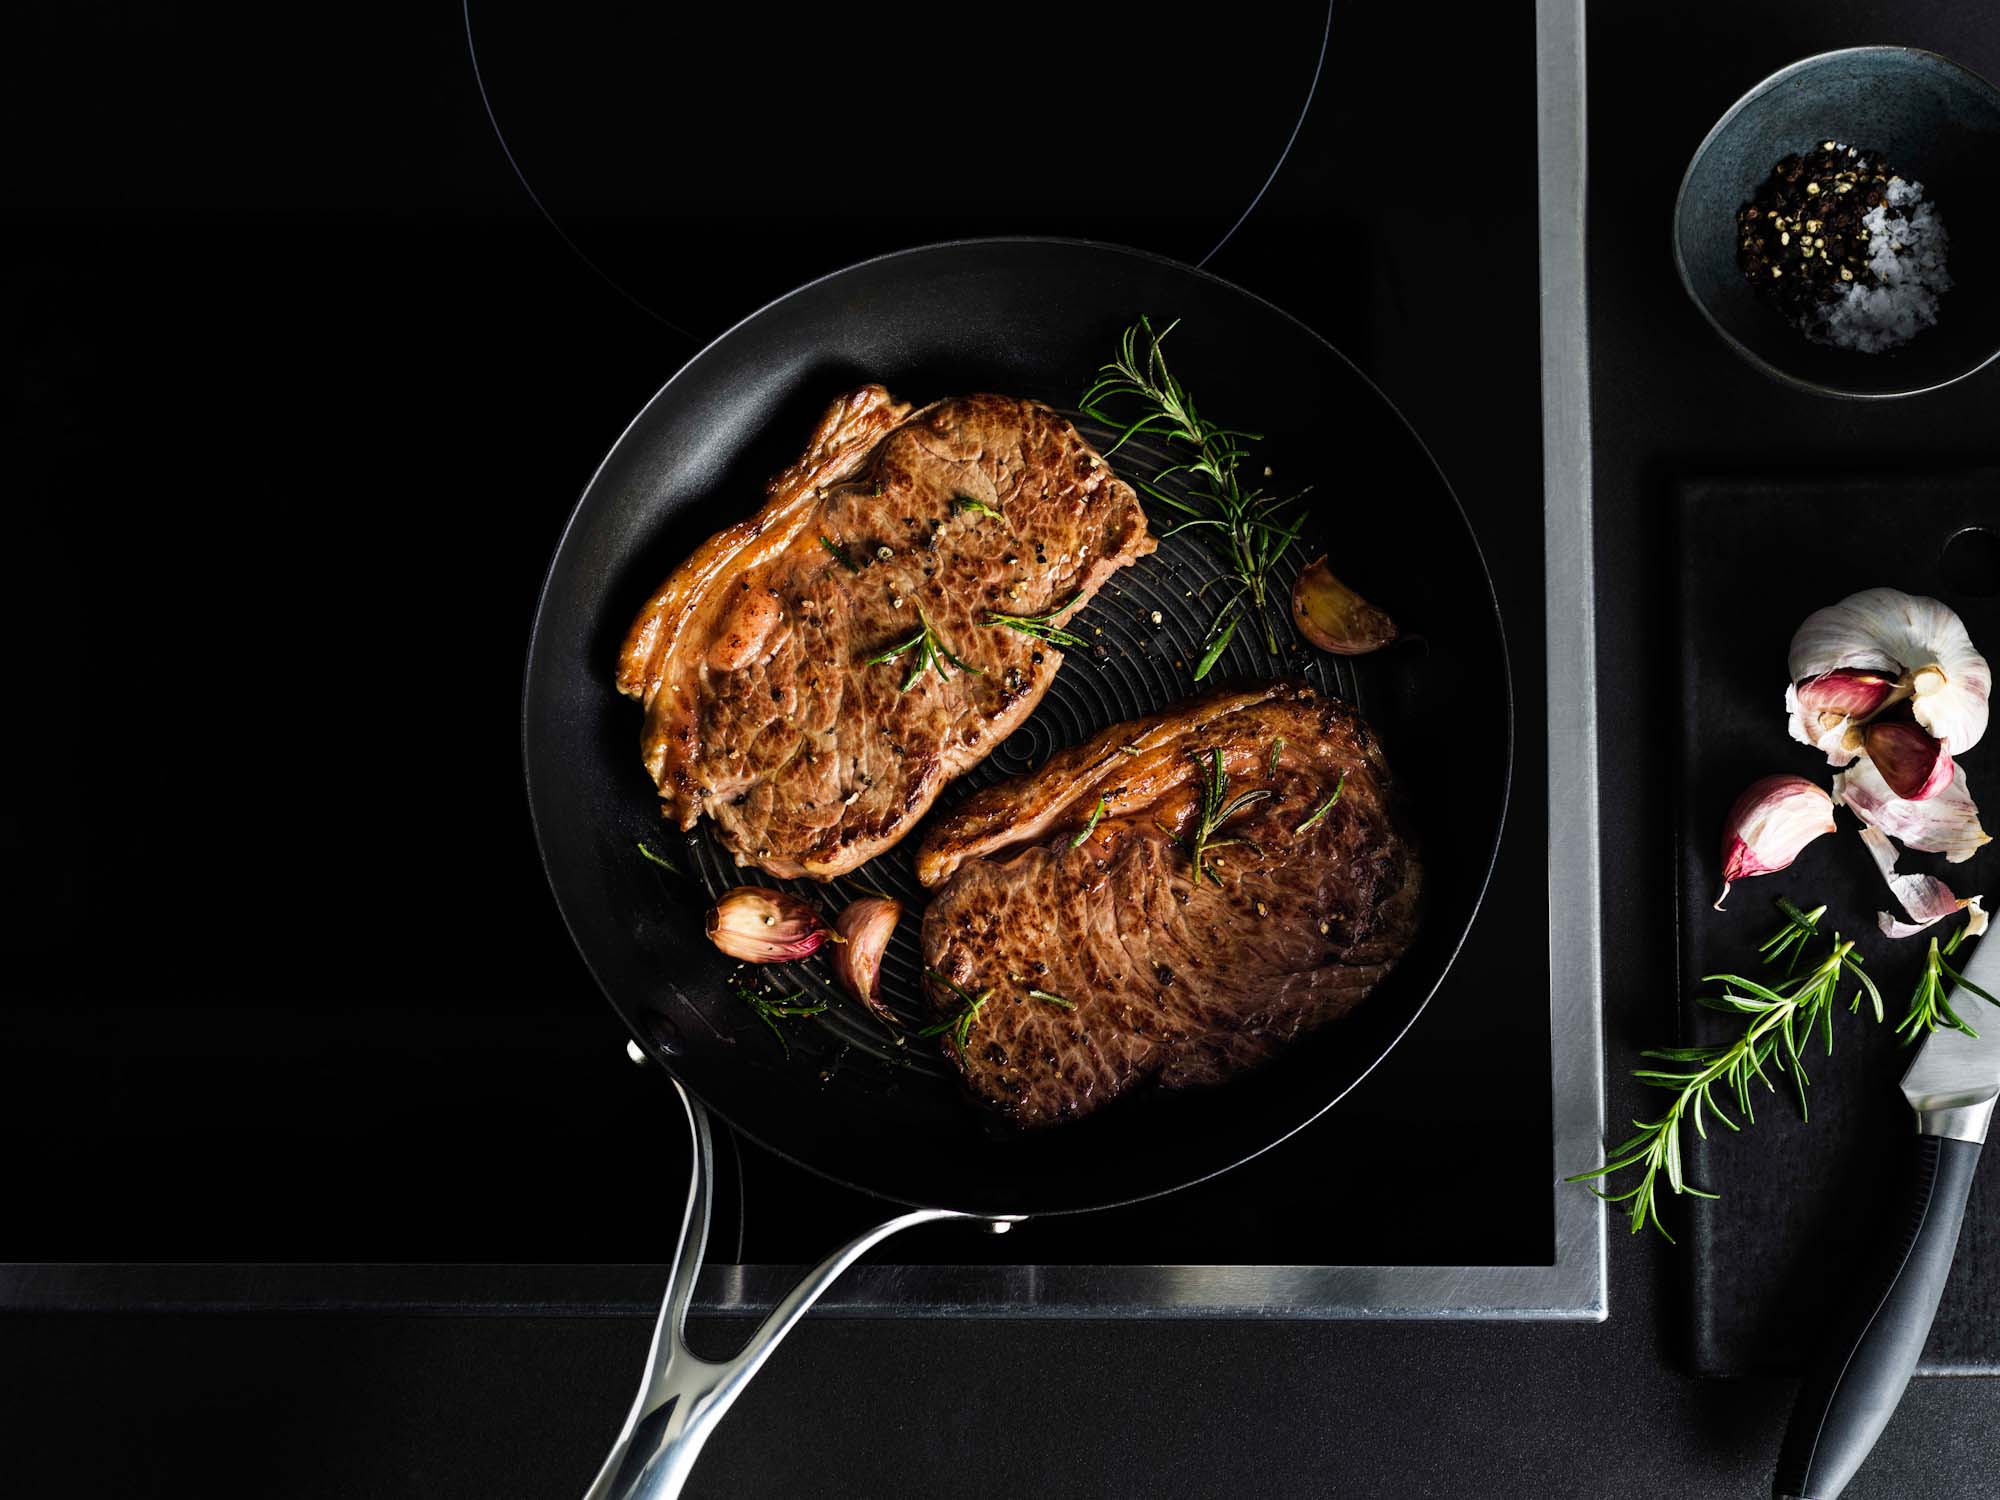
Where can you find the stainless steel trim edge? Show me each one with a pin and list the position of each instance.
(1573, 1287)
(1576, 1022)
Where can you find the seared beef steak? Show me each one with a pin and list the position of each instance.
(1171, 979)
(752, 659)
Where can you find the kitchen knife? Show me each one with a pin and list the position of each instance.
(1848, 1398)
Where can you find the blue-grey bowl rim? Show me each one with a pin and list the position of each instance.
(1756, 91)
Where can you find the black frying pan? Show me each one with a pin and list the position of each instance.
(1029, 317)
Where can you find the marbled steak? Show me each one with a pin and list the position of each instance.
(751, 660)
(1172, 980)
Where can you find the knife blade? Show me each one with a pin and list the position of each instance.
(1956, 1078)
(1849, 1396)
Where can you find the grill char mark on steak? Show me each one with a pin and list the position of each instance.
(1173, 983)
(749, 659)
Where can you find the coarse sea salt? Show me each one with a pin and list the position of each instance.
(1907, 244)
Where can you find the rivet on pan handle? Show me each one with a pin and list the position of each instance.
(682, 1397)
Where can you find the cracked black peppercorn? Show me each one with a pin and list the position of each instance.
(1801, 239)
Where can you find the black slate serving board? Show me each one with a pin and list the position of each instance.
(1801, 1216)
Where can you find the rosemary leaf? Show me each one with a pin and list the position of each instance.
(960, 1024)
(1325, 807)
(770, 1010)
(966, 502)
(1053, 999)
(930, 652)
(1214, 652)
(839, 556)
(1043, 625)
(1095, 813)
(661, 860)
(895, 651)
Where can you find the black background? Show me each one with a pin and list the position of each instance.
(295, 350)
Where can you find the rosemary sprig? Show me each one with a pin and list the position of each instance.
(1041, 626)
(1276, 745)
(1930, 1006)
(1247, 528)
(966, 502)
(931, 651)
(1325, 807)
(1781, 1021)
(1051, 997)
(1217, 808)
(839, 555)
(770, 1010)
(1085, 832)
(661, 860)
(1800, 928)
(970, 1005)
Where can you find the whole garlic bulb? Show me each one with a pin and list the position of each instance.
(1873, 649)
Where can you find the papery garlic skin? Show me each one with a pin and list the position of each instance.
(757, 926)
(866, 925)
(1769, 824)
(1975, 921)
(1924, 898)
(1947, 822)
(1919, 641)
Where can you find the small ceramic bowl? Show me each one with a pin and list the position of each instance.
(1933, 121)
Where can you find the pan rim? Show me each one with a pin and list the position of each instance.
(663, 1061)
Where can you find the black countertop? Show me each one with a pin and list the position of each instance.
(260, 237)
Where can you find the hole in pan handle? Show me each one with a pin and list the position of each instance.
(682, 1396)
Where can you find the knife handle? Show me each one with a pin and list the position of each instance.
(1850, 1394)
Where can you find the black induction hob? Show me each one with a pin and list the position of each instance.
(292, 1019)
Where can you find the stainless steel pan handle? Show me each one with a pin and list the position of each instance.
(682, 1397)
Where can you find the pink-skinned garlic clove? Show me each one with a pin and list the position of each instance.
(1826, 708)
(1335, 618)
(866, 925)
(1768, 825)
(1849, 692)
(1916, 766)
(757, 926)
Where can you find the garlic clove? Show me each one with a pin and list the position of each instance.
(766, 927)
(1953, 708)
(1825, 707)
(1771, 822)
(1335, 618)
(866, 926)
(1850, 691)
(1824, 730)
(1947, 822)
(1924, 898)
(1913, 764)
(1919, 641)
